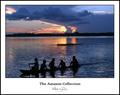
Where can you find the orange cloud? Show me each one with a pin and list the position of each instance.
(16, 30)
(53, 29)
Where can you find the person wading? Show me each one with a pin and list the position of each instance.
(52, 64)
(62, 65)
(35, 65)
(74, 63)
(43, 68)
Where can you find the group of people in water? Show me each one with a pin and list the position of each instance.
(35, 66)
(51, 67)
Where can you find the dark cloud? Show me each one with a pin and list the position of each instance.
(56, 13)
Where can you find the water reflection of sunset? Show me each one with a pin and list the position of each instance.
(73, 40)
(41, 40)
(62, 41)
(45, 46)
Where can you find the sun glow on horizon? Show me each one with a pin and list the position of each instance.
(63, 29)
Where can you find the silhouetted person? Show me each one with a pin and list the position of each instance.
(43, 68)
(62, 67)
(35, 68)
(74, 63)
(52, 64)
(35, 65)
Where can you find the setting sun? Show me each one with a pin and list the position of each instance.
(63, 29)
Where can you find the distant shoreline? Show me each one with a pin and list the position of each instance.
(59, 35)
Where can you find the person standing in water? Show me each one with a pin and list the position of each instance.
(62, 65)
(35, 65)
(74, 63)
(43, 68)
(52, 68)
(52, 64)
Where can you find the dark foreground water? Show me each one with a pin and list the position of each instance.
(96, 54)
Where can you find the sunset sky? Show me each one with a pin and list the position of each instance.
(59, 19)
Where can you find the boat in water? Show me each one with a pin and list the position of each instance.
(68, 44)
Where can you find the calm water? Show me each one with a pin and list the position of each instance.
(96, 53)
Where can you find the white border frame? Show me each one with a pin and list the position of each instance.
(88, 85)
